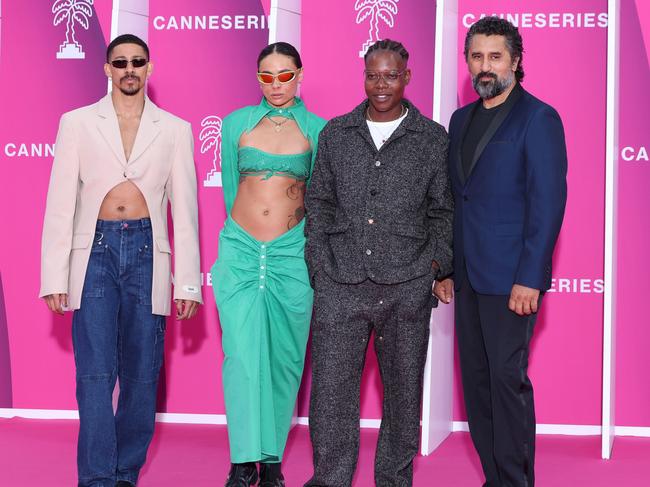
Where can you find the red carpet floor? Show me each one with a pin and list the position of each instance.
(42, 453)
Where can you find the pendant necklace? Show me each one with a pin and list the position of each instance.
(279, 112)
(384, 137)
(277, 125)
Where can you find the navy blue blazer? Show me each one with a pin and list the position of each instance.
(509, 209)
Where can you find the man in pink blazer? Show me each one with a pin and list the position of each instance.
(106, 255)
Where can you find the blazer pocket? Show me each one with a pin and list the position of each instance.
(408, 230)
(163, 245)
(81, 240)
(509, 229)
(339, 227)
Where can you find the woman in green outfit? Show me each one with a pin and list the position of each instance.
(260, 279)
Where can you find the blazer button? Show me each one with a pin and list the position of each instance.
(368, 252)
(373, 192)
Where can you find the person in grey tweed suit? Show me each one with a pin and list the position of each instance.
(379, 231)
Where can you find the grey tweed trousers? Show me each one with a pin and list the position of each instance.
(345, 315)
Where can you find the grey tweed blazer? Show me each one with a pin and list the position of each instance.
(381, 214)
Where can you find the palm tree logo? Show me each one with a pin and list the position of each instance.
(72, 11)
(210, 138)
(377, 10)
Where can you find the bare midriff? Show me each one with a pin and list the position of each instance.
(267, 207)
(124, 202)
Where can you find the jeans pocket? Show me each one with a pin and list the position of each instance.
(145, 271)
(159, 343)
(96, 270)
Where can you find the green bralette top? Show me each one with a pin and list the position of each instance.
(254, 162)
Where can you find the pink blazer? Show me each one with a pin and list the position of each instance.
(88, 162)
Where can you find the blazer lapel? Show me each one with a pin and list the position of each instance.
(515, 94)
(109, 128)
(459, 148)
(147, 131)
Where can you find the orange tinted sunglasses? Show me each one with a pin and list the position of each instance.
(284, 77)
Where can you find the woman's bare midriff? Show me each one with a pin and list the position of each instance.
(124, 202)
(267, 208)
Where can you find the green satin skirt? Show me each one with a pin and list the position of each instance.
(264, 301)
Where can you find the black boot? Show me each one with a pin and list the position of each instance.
(242, 475)
(271, 475)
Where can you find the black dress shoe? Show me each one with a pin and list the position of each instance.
(242, 475)
(124, 483)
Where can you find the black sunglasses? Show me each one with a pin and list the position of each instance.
(123, 63)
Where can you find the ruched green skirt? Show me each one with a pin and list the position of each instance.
(264, 301)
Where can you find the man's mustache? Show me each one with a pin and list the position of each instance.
(485, 74)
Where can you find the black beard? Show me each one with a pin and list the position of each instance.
(132, 91)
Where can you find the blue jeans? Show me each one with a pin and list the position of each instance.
(115, 335)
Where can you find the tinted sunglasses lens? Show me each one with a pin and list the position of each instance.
(123, 63)
(286, 77)
(265, 78)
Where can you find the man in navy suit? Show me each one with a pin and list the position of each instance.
(507, 163)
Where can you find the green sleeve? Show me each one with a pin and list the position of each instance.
(316, 124)
(230, 133)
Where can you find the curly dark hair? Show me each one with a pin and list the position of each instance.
(388, 45)
(493, 25)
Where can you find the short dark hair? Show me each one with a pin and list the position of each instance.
(493, 25)
(283, 48)
(388, 45)
(126, 39)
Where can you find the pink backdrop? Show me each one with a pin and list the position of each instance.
(35, 89)
(203, 73)
(633, 333)
(566, 68)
